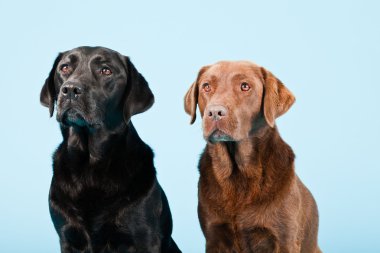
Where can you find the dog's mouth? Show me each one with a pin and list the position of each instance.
(219, 136)
(72, 117)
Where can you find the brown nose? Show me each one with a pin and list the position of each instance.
(215, 112)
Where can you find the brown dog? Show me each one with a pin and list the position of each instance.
(250, 199)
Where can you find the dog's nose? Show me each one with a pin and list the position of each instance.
(71, 90)
(216, 112)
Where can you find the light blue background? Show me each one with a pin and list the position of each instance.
(326, 52)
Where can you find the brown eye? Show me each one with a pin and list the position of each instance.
(106, 71)
(206, 87)
(65, 69)
(245, 86)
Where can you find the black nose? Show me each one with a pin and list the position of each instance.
(71, 90)
(216, 112)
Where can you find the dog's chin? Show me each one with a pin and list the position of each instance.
(218, 136)
(73, 117)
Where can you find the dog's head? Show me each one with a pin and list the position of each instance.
(235, 99)
(95, 86)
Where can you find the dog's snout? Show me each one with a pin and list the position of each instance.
(216, 112)
(71, 90)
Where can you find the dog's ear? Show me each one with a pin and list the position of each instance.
(277, 98)
(139, 97)
(191, 97)
(191, 101)
(48, 93)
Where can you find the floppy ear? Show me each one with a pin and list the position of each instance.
(139, 97)
(277, 98)
(191, 97)
(191, 101)
(48, 94)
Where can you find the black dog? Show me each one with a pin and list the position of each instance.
(104, 195)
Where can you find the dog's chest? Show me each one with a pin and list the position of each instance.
(90, 193)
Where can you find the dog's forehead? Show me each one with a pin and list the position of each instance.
(88, 53)
(232, 69)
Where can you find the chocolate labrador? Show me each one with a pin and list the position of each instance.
(104, 195)
(250, 199)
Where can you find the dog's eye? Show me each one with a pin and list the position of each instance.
(206, 87)
(245, 86)
(105, 71)
(65, 69)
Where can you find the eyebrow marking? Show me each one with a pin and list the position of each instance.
(101, 59)
(239, 76)
(211, 78)
(72, 57)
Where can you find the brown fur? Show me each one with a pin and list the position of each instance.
(250, 199)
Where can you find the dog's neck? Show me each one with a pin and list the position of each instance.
(94, 144)
(264, 161)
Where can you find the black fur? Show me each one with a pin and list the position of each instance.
(104, 195)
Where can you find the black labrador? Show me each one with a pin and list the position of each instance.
(104, 196)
